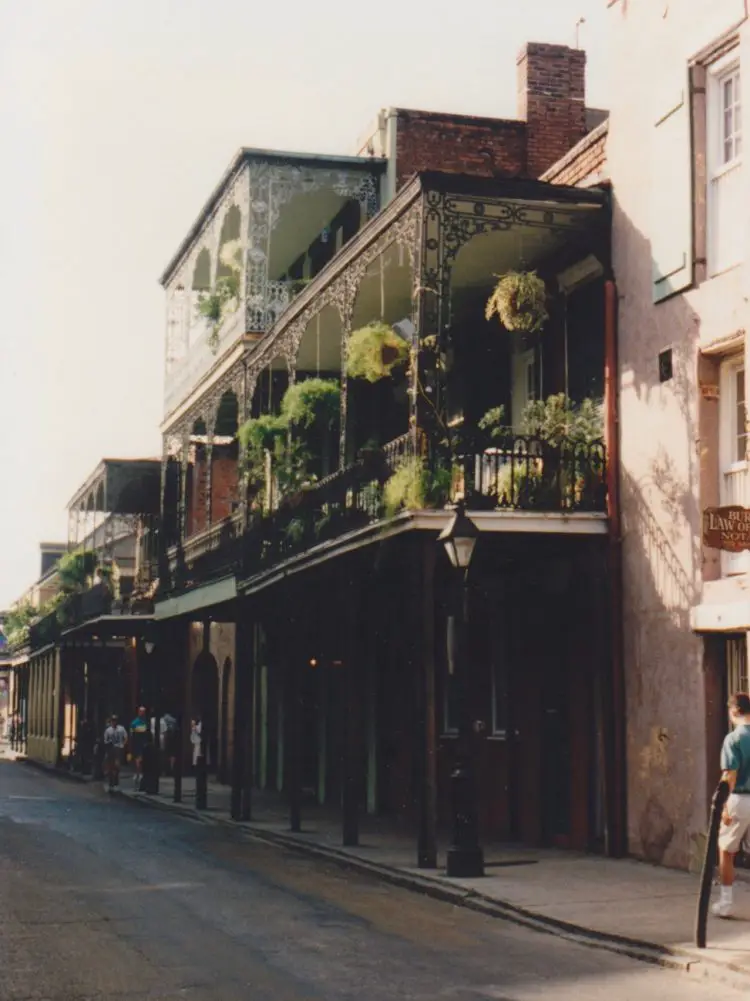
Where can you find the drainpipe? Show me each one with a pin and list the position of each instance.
(616, 836)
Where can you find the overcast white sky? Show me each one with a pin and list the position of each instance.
(117, 117)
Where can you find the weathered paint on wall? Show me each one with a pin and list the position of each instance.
(662, 447)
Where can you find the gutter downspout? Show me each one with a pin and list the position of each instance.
(616, 793)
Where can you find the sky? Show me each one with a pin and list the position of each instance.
(117, 119)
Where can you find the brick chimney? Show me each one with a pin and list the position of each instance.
(552, 102)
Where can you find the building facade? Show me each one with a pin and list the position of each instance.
(80, 656)
(307, 614)
(680, 257)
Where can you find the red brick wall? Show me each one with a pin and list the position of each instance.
(585, 164)
(459, 144)
(552, 101)
(198, 505)
(223, 486)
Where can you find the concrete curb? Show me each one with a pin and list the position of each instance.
(432, 886)
(670, 957)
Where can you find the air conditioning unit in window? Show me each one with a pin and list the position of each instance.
(579, 274)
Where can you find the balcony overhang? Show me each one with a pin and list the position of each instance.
(120, 486)
(488, 522)
(108, 627)
(246, 155)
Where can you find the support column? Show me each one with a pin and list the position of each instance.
(183, 505)
(209, 476)
(424, 667)
(242, 721)
(61, 676)
(355, 645)
(288, 646)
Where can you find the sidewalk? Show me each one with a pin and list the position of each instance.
(622, 905)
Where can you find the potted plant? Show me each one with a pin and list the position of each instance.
(519, 300)
(374, 351)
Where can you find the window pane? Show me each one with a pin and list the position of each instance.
(728, 93)
(741, 436)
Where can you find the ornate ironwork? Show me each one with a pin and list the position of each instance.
(273, 185)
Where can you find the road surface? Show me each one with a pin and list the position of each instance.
(104, 900)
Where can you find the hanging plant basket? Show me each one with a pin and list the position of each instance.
(374, 352)
(519, 300)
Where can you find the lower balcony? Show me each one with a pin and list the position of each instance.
(514, 473)
(77, 609)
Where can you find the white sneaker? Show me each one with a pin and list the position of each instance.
(723, 909)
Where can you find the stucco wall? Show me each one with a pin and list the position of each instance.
(661, 445)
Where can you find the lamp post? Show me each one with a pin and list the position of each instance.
(465, 859)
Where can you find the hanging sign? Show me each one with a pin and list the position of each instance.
(727, 528)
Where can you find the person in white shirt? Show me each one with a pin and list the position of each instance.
(115, 739)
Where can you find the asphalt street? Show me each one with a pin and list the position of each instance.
(104, 899)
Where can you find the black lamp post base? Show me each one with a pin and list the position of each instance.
(464, 863)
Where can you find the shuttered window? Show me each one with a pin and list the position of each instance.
(672, 198)
(726, 218)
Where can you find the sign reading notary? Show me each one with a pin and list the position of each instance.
(727, 528)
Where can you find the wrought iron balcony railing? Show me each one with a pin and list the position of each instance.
(513, 472)
(79, 608)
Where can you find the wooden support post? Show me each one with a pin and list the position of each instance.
(353, 778)
(177, 793)
(248, 732)
(242, 650)
(293, 731)
(424, 666)
(201, 774)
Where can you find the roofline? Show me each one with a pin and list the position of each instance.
(98, 471)
(243, 156)
(592, 137)
(448, 116)
(523, 189)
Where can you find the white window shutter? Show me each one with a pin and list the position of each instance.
(672, 199)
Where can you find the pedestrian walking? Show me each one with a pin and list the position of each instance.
(140, 734)
(196, 739)
(735, 822)
(170, 739)
(115, 739)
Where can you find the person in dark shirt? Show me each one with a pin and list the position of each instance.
(140, 734)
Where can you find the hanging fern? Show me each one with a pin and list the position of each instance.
(313, 403)
(374, 352)
(262, 433)
(520, 302)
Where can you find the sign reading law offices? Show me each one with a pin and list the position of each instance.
(727, 528)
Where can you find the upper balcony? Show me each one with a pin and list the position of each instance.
(109, 516)
(455, 403)
(272, 224)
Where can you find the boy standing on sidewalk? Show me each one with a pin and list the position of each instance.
(735, 822)
(115, 739)
(140, 733)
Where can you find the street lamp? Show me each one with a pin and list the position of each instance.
(465, 859)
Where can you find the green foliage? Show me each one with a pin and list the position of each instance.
(313, 403)
(260, 433)
(494, 422)
(75, 570)
(215, 306)
(374, 352)
(17, 623)
(558, 420)
(520, 302)
(295, 531)
(414, 486)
